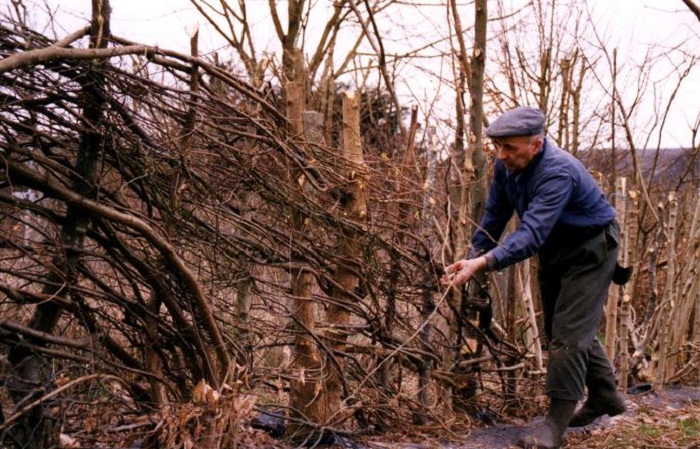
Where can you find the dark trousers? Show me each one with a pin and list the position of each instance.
(575, 271)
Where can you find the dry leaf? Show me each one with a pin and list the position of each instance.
(67, 442)
(201, 390)
(90, 424)
(244, 404)
(62, 380)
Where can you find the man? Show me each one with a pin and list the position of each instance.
(566, 220)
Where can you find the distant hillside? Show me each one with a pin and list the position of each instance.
(671, 166)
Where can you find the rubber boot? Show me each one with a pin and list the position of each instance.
(550, 434)
(601, 401)
(603, 397)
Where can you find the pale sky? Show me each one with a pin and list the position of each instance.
(628, 25)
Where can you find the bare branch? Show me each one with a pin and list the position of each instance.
(694, 7)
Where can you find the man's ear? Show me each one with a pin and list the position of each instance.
(538, 140)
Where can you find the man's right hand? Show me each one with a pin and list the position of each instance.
(461, 271)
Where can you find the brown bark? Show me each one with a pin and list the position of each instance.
(478, 195)
(350, 249)
(307, 364)
(474, 179)
(462, 156)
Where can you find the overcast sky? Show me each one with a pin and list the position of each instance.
(628, 25)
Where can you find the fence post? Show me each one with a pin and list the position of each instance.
(614, 295)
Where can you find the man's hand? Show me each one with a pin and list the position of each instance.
(460, 272)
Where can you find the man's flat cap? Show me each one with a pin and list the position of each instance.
(521, 121)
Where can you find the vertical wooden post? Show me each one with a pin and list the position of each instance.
(695, 293)
(685, 294)
(695, 334)
(624, 257)
(405, 208)
(612, 305)
(629, 248)
(346, 274)
(532, 335)
(666, 305)
(306, 362)
(243, 274)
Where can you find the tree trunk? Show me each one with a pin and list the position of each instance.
(404, 213)
(479, 191)
(477, 195)
(474, 179)
(428, 303)
(31, 376)
(306, 362)
(460, 166)
(350, 250)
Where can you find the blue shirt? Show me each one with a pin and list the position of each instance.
(554, 189)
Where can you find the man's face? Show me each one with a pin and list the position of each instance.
(516, 152)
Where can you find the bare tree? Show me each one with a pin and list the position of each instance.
(693, 7)
(31, 378)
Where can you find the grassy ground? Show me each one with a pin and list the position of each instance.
(670, 419)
